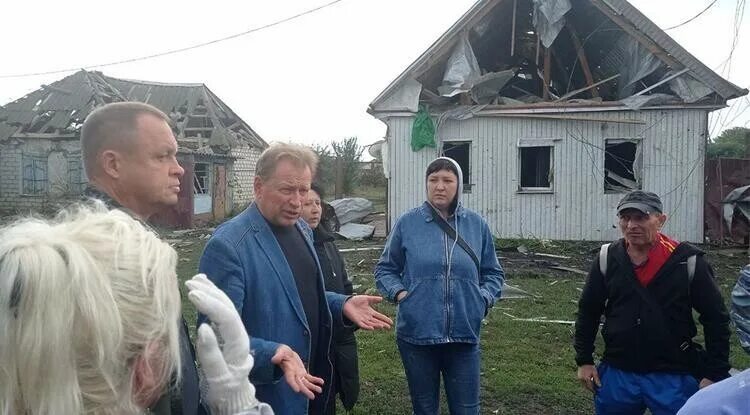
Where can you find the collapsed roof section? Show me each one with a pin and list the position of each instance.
(541, 53)
(202, 122)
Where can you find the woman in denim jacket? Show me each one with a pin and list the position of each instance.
(442, 296)
(730, 396)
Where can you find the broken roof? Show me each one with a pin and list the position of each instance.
(60, 109)
(535, 52)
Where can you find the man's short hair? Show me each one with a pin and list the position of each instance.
(112, 126)
(299, 155)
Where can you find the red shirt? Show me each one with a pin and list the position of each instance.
(657, 257)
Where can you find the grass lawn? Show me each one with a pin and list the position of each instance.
(527, 368)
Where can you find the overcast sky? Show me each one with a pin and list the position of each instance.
(309, 80)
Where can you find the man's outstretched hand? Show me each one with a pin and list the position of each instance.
(359, 310)
(295, 372)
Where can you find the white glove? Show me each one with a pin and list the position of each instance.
(225, 369)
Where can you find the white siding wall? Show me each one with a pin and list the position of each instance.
(673, 144)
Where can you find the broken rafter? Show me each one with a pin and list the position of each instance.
(211, 110)
(586, 88)
(662, 82)
(632, 31)
(56, 89)
(582, 58)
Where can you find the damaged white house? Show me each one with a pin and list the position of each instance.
(555, 109)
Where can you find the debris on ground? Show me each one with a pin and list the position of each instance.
(351, 209)
(356, 231)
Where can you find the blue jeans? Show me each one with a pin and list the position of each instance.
(459, 365)
(628, 393)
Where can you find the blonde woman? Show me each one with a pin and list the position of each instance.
(89, 311)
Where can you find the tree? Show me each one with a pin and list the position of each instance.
(732, 142)
(326, 174)
(347, 154)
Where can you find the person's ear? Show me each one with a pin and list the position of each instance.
(111, 163)
(146, 390)
(662, 220)
(257, 186)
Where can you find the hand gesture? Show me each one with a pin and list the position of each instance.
(226, 369)
(295, 373)
(358, 309)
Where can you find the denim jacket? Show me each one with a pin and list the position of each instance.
(439, 307)
(740, 311)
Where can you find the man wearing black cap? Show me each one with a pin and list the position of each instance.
(646, 285)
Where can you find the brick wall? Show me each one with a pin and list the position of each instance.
(11, 154)
(240, 176)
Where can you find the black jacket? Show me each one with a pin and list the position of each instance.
(343, 344)
(638, 336)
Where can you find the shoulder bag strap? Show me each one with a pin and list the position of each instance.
(452, 234)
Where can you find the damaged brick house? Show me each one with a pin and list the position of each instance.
(40, 155)
(554, 109)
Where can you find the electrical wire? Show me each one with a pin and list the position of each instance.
(174, 51)
(694, 17)
(739, 13)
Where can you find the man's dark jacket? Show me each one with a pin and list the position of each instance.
(344, 343)
(654, 336)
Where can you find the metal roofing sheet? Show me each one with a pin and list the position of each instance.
(723, 87)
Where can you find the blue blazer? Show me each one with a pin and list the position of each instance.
(244, 259)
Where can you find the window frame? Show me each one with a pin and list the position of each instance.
(39, 162)
(207, 189)
(637, 164)
(466, 172)
(524, 143)
(77, 184)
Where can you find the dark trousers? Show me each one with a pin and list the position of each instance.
(459, 365)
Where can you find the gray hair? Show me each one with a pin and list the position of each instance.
(299, 155)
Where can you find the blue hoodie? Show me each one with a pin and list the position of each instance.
(447, 298)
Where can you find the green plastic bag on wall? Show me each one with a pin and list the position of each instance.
(423, 130)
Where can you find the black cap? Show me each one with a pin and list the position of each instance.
(646, 202)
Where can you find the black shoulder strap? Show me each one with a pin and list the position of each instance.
(452, 234)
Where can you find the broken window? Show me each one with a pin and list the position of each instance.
(536, 167)
(34, 181)
(622, 165)
(201, 182)
(461, 152)
(76, 174)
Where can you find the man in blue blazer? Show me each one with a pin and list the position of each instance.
(265, 261)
